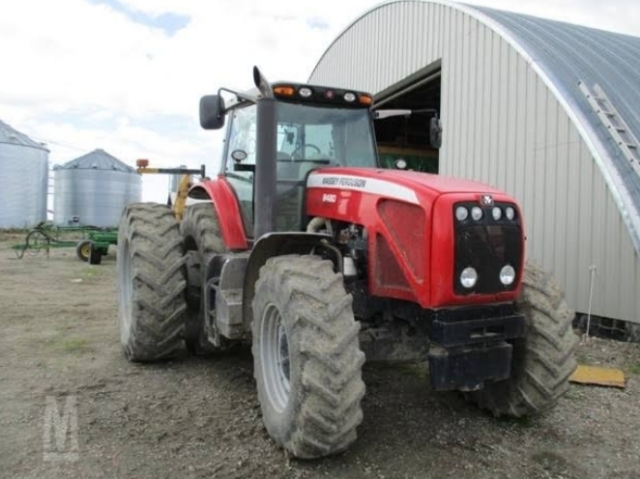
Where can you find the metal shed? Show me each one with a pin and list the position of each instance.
(24, 171)
(93, 190)
(547, 111)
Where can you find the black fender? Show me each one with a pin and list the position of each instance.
(278, 244)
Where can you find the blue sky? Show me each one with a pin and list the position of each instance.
(126, 75)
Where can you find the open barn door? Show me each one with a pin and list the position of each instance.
(415, 136)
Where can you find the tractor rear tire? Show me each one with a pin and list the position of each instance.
(151, 283)
(543, 360)
(83, 250)
(95, 255)
(201, 234)
(307, 358)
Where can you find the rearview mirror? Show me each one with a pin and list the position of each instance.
(211, 112)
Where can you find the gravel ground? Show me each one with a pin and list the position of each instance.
(199, 418)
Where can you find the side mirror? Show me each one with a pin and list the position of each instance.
(435, 132)
(212, 112)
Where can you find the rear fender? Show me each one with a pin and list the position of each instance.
(278, 244)
(225, 203)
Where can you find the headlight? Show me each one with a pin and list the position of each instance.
(305, 92)
(468, 277)
(462, 213)
(510, 212)
(496, 212)
(349, 97)
(507, 275)
(476, 213)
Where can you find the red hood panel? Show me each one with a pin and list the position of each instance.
(409, 219)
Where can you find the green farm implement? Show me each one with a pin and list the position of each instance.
(91, 243)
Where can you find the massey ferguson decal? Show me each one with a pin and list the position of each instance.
(373, 186)
(344, 181)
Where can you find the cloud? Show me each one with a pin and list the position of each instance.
(119, 75)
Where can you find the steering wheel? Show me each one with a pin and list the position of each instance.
(302, 147)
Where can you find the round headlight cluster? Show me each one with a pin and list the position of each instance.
(476, 213)
(496, 212)
(510, 213)
(507, 275)
(462, 213)
(468, 277)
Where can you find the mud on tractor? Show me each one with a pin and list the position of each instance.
(303, 246)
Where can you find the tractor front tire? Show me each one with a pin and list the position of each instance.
(307, 358)
(83, 250)
(543, 360)
(151, 283)
(201, 234)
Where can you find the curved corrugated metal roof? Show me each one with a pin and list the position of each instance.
(96, 160)
(14, 137)
(568, 54)
(564, 55)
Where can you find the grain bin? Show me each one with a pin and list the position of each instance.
(24, 171)
(93, 190)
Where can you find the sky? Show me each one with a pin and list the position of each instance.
(126, 75)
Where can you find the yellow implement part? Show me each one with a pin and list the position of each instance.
(598, 376)
(181, 197)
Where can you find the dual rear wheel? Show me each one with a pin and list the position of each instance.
(307, 360)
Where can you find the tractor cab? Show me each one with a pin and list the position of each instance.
(287, 130)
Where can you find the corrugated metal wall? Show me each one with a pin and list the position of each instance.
(502, 125)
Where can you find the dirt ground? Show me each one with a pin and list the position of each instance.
(199, 418)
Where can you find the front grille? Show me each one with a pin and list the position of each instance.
(486, 245)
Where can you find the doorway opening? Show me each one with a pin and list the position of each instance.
(414, 137)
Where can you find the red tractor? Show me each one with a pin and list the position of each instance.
(304, 246)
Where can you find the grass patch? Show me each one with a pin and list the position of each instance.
(90, 272)
(635, 369)
(573, 394)
(71, 345)
(522, 422)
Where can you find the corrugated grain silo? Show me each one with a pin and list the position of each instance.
(93, 190)
(24, 170)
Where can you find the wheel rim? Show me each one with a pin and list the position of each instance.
(35, 242)
(274, 356)
(125, 291)
(85, 251)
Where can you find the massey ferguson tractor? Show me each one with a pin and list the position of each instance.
(305, 247)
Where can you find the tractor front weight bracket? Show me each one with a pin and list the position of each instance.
(472, 345)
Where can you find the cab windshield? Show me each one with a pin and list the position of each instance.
(308, 137)
(339, 137)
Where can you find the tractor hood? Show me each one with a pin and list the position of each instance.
(402, 185)
(414, 241)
